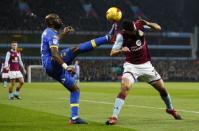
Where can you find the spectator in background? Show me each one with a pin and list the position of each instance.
(77, 72)
(138, 13)
(25, 9)
(88, 8)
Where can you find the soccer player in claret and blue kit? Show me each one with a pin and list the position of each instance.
(130, 41)
(13, 61)
(57, 64)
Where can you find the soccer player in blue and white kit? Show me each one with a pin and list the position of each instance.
(57, 63)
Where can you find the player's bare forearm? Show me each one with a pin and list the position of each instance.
(115, 52)
(153, 26)
(56, 56)
(62, 35)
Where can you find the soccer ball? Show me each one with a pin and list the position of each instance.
(114, 14)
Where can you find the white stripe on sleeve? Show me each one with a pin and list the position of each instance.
(7, 59)
(118, 43)
(20, 61)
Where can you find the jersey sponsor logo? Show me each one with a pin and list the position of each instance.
(138, 46)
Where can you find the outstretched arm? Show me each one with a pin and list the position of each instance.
(116, 52)
(153, 26)
(117, 47)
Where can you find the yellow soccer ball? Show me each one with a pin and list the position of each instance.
(114, 14)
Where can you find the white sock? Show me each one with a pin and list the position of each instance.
(5, 83)
(10, 95)
(16, 93)
(117, 107)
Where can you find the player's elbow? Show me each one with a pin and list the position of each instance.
(113, 53)
(54, 54)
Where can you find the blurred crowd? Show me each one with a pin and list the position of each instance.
(170, 70)
(111, 70)
(90, 14)
(178, 70)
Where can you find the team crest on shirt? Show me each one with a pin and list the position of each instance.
(63, 54)
(138, 43)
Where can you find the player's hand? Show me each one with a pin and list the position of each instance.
(144, 22)
(125, 49)
(71, 69)
(7, 68)
(68, 29)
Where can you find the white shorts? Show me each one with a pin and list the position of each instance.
(144, 71)
(5, 75)
(15, 74)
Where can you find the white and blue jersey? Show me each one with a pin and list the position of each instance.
(50, 39)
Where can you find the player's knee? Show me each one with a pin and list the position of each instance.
(74, 49)
(74, 88)
(124, 88)
(126, 84)
(21, 83)
(77, 89)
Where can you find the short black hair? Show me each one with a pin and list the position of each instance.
(128, 25)
(50, 18)
(13, 41)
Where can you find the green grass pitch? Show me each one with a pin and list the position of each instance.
(45, 106)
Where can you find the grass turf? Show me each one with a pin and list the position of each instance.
(45, 107)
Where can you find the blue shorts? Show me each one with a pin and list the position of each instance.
(67, 55)
(54, 70)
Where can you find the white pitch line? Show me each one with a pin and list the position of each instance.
(138, 106)
(109, 103)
